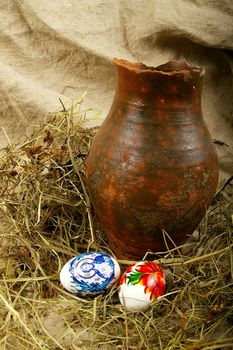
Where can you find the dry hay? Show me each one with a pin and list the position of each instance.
(47, 219)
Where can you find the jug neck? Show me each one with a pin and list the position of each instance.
(174, 85)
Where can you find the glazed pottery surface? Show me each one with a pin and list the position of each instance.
(152, 167)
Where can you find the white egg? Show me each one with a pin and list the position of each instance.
(133, 298)
(140, 284)
(89, 273)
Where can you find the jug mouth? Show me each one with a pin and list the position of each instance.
(169, 68)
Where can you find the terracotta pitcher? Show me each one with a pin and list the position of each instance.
(152, 166)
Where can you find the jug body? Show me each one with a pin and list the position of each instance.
(152, 168)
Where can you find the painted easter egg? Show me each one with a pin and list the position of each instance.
(89, 273)
(140, 284)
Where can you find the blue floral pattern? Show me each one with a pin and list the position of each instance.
(91, 272)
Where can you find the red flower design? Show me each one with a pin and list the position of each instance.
(123, 277)
(147, 274)
(152, 277)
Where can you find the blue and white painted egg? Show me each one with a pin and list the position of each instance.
(90, 273)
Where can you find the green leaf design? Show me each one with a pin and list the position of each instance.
(134, 277)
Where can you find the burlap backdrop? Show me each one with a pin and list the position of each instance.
(62, 48)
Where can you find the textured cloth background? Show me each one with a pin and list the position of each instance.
(62, 48)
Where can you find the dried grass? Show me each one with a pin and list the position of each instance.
(47, 219)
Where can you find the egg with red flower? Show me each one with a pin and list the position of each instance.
(140, 284)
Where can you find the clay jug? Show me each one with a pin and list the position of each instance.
(152, 167)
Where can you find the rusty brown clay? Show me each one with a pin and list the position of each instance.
(152, 165)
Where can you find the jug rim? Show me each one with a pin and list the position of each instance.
(169, 68)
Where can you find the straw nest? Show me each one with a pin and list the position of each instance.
(46, 218)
